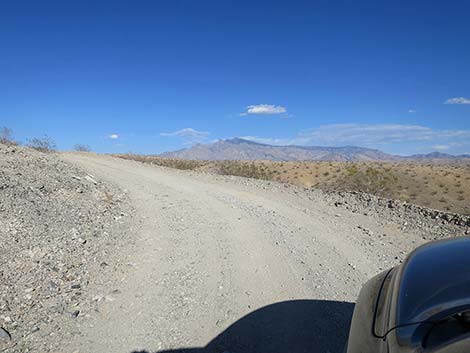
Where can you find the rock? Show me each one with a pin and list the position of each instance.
(90, 179)
(365, 230)
(4, 335)
(52, 285)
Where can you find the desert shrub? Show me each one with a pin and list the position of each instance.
(82, 148)
(371, 180)
(6, 137)
(43, 144)
(352, 170)
(184, 164)
(405, 198)
(244, 169)
(179, 163)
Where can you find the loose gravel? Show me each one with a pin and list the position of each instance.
(57, 225)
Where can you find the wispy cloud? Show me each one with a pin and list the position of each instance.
(264, 109)
(441, 147)
(188, 135)
(370, 135)
(411, 110)
(113, 136)
(458, 100)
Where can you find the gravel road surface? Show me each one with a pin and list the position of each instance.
(227, 264)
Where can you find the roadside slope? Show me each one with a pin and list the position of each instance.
(56, 226)
(208, 250)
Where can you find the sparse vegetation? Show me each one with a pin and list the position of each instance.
(6, 137)
(42, 144)
(430, 185)
(372, 180)
(244, 169)
(82, 148)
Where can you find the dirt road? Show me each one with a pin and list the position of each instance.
(226, 264)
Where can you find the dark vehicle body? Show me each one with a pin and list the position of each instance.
(422, 305)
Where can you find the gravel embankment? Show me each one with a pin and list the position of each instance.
(56, 225)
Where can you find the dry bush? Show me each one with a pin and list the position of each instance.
(183, 164)
(244, 169)
(6, 137)
(82, 148)
(371, 180)
(42, 144)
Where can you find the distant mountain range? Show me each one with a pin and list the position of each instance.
(438, 155)
(241, 149)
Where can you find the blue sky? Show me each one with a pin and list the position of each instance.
(150, 76)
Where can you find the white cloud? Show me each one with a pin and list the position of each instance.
(441, 147)
(369, 135)
(411, 111)
(188, 135)
(264, 109)
(113, 136)
(458, 100)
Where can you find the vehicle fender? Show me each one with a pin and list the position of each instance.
(361, 338)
